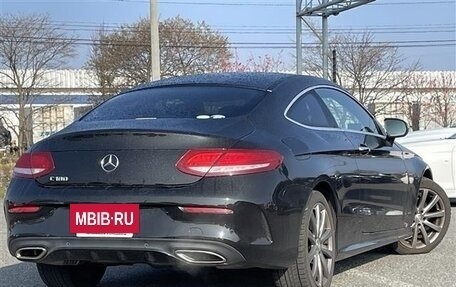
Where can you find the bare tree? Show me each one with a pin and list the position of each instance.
(417, 103)
(101, 64)
(121, 58)
(29, 46)
(444, 99)
(369, 70)
(264, 63)
(191, 48)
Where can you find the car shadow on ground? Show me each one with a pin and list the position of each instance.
(361, 259)
(26, 275)
(21, 274)
(147, 276)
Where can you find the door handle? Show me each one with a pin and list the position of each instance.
(364, 148)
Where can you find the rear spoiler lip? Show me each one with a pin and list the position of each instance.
(233, 128)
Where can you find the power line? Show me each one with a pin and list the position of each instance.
(212, 3)
(262, 4)
(390, 26)
(267, 30)
(235, 45)
(412, 3)
(4, 36)
(385, 29)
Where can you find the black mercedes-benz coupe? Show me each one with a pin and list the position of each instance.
(244, 170)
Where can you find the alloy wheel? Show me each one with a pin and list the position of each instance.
(429, 220)
(320, 245)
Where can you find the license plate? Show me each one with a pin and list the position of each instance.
(104, 220)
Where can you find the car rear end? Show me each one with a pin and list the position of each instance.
(163, 182)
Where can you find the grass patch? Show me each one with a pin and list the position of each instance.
(7, 162)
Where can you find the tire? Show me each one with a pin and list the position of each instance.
(432, 219)
(85, 275)
(305, 272)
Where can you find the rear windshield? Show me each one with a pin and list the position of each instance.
(178, 102)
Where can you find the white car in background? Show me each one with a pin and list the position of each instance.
(438, 149)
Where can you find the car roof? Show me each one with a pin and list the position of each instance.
(260, 81)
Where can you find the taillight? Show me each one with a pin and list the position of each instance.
(16, 209)
(34, 165)
(221, 162)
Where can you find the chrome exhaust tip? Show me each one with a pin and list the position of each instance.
(200, 257)
(30, 253)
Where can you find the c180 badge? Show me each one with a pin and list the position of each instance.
(58, 178)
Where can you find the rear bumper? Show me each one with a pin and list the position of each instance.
(262, 232)
(242, 240)
(240, 250)
(71, 251)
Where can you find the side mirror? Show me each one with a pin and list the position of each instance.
(395, 128)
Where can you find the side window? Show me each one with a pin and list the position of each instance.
(308, 111)
(347, 113)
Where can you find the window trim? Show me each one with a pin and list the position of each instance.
(326, 113)
(313, 88)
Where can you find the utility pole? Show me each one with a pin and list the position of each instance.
(298, 38)
(324, 44)
(334, 66)
(323, 9)
(154, 42)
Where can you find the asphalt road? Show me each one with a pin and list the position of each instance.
(377, 268)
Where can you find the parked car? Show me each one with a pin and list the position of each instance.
(282, 172)
(438, 149)
(5, 135)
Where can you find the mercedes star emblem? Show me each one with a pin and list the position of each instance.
(109, 163)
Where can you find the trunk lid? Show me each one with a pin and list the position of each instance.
(134, 152)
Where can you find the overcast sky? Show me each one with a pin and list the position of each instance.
(429, 23)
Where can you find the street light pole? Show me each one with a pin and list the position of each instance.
(324, 45)
(154, 42)
(298, 38)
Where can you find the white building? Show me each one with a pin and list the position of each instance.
(64, 96)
